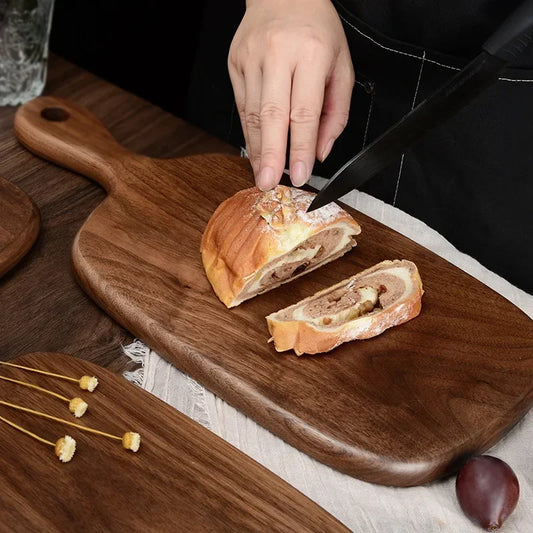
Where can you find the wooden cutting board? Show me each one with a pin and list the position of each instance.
(403, 408)
(19, 225)
(183, 478)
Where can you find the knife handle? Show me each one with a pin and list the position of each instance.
(514, 35)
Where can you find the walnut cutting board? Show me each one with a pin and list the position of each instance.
(183, 478)
(19, 225)
(403, 408)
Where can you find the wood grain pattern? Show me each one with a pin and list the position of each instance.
(19, 225)
(403, 408)
(43, 307)
(183, 478)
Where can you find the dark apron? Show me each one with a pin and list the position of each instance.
(471, 179)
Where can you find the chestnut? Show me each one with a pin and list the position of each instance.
(487, 490)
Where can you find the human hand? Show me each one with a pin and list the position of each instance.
(291, 70)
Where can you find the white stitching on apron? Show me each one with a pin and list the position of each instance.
(419, 57)
(370, 107)
(412, 107)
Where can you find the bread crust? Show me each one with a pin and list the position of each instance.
(306, 338)
(252, 228)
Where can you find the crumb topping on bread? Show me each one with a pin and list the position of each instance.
(283, 206)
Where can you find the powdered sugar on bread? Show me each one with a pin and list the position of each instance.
(284, 206)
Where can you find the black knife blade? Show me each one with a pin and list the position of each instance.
(506, 43)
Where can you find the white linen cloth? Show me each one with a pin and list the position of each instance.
(362, 507)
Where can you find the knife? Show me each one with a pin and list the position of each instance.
(505, 44)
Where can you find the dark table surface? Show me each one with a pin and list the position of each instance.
(42, 308)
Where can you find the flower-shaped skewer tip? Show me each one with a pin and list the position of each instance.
(131, 441)
(65, 448)
(77, 407)
(88, 383)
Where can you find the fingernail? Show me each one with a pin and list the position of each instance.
(298, 173)
(327, 150)
(265, 180)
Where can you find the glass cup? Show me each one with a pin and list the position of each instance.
(24, 35)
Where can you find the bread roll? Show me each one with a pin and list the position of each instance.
(359, 307)
(255, 241)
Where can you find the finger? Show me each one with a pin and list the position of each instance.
(335, 112)
(252, 106)
(306, 106)
(275, 107)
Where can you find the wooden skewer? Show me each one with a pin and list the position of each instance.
(64, 447)
(85, 382)
(20, 428)
(76, 405)
(130, 440)
(39, 371)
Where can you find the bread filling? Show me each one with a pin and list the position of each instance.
(339, 306)
(323, 247)
(356, 298)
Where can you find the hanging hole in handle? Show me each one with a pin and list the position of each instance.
(55, 114)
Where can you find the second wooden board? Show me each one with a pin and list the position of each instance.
(182, 478)
(403, 408)
(19, 225)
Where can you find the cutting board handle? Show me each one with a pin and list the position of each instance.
(67, 134)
